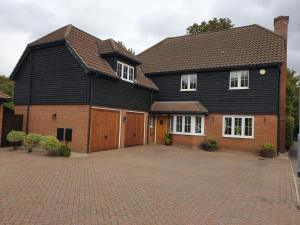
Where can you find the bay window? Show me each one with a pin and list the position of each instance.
(238, 126)
(186, 124)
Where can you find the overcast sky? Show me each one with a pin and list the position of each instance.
(139, 24)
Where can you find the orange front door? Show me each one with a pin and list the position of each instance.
(161, 128)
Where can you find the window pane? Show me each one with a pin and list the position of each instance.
(248, 127)
(244, 79)
(125, 72)
(119, 69)
(184, 82)
(150, 121)
(171, 119)
(131, 74)
(187, 124)
(237, 126)
(228, 122)
(193, 82)
(198, 125)
(234, 80)
(179, 124)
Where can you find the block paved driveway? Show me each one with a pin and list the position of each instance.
(146, 185)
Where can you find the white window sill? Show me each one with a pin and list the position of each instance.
(130, 81)
(188, 89)
(240, 88)
(188, 134)
(237, 137)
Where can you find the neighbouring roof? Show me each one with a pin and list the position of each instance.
(179, 107)
(109, 46)
(4, 96)
(87, 48)
(241, 46)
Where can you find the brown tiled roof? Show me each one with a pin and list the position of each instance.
(4, 96)
(109, 46)
(241, 46)
(178, 107)
(85, 46)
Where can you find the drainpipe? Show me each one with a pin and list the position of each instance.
(90, 112)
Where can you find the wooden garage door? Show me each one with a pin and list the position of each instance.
(104, 129)
(134, 129)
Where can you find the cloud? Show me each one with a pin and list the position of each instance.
(139, 24)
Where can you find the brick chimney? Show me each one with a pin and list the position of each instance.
(281, 28)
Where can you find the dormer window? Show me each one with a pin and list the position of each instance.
(239, 79)
(125, 71)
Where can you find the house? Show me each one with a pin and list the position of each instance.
(94, 95)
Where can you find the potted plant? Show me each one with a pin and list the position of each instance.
(168, 139)
(267, 151)
(210, 144)
(16, 138)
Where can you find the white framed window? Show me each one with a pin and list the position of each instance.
(238, 126)
(125, 71)
(239, 79)
(178, 124)
(188, 82)
(119, 69)
(171, 123)
(186, 124)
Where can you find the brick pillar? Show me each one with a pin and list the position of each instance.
(281, 28)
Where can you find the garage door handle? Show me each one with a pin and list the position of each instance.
(134, 134)
(105, 137)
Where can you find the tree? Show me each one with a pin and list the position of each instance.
(130, 50)
(292, 101)
(211, 25)
(7, 87)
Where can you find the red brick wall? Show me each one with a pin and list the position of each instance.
(265, 130)
(68, 116)
(41, 121)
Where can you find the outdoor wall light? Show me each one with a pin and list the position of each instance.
(124, 119)
(262, 71)
(54, 115)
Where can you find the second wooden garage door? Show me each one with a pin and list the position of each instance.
(134, 129)
(104, 129)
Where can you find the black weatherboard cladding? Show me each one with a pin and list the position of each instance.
(120, 94)
(56, 78)
(21, 94)
(213, 91)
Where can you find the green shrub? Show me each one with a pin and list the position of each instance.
(64, 150)
(16, 137)
(49, 142)
(289, 139)
(168, 139)
(267, 151)
(210, 144)
(31, 140)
